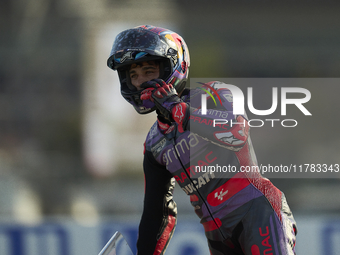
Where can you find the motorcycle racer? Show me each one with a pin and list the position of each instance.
(241, 212)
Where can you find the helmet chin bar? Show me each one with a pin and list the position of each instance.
(133, 97)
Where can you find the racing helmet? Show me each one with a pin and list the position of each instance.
(149, 43)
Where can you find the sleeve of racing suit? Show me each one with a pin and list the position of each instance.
(219, 124)
(159, 213)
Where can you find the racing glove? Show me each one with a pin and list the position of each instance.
(167, 102)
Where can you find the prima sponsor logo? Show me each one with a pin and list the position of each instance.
(182, 147)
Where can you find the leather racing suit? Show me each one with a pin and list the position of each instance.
(241, 211)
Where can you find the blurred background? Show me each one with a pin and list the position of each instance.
(71, 147)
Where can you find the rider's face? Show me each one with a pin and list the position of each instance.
(142, 72)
